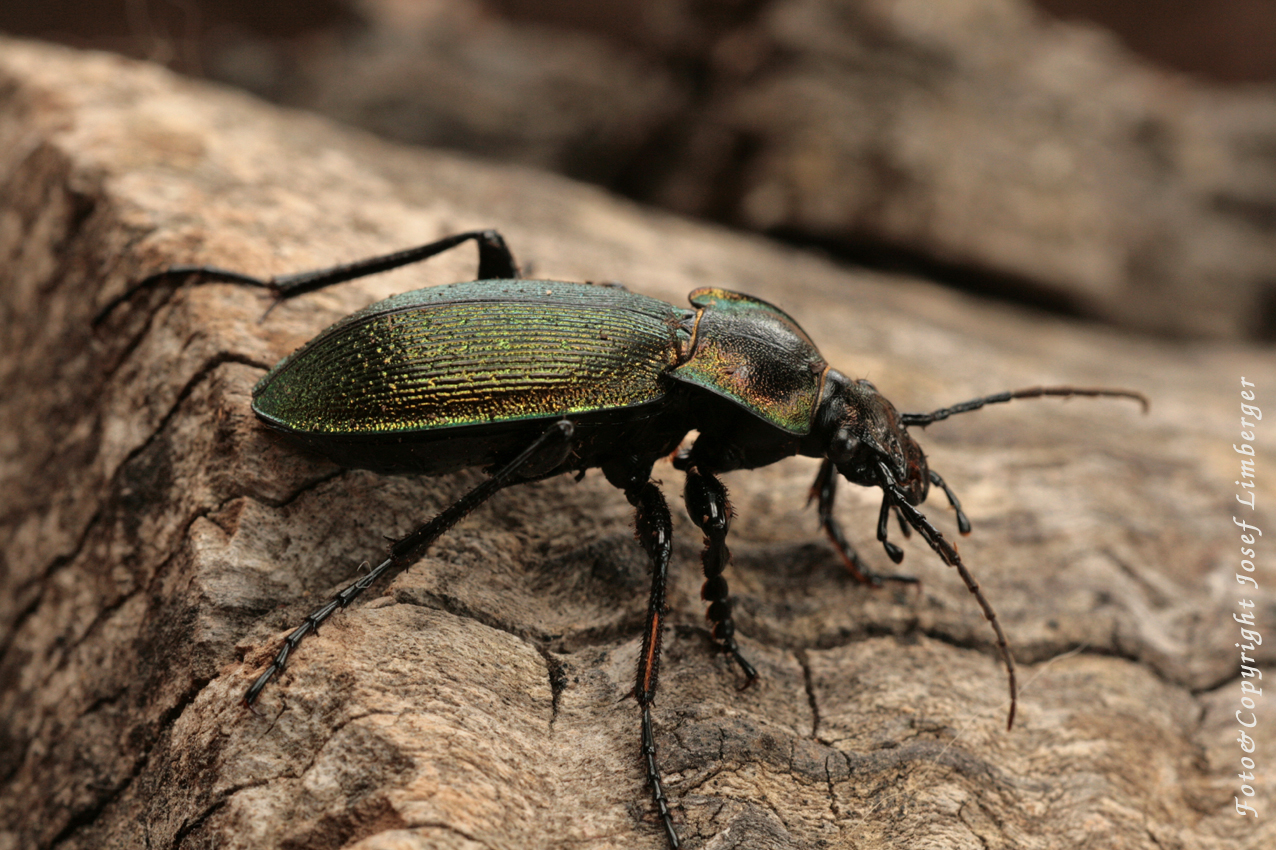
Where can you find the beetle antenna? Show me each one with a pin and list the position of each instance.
(948, 554)
(924, 419)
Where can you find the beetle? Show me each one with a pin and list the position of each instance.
(534, 378)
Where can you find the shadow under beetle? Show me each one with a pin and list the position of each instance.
(533, 378)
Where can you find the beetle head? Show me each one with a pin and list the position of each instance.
(864, 432)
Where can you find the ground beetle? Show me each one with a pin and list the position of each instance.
(532, 378)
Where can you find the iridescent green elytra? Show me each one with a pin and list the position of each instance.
(477, 353)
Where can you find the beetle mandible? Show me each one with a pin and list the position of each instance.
(629, 378)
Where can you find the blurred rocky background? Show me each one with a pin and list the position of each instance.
(1109, 159)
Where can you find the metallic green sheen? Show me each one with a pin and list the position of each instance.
(477, 353)
(755, 354)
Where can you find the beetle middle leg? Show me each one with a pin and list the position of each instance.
(547, 451)
(654, 529)
(708, 507)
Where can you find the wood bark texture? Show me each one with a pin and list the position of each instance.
(157, 543)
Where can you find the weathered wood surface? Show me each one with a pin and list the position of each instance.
(157, 542)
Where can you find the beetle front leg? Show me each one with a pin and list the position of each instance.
(654, 529)
(824, 491)
(709, 508)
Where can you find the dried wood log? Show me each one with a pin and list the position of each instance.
(157, 542)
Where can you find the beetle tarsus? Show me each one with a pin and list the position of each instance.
(709, 508)
(750, 672)
(653, 779)
(176, 275)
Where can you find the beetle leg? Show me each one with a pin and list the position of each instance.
(653, 778)
(654, 529)
(175, 275)
(824, 490)
(555, 442)
(709, 508)
(496, 262)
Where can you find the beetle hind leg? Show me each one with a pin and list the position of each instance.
(550, 447)
(496, 262)
(709, 508)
